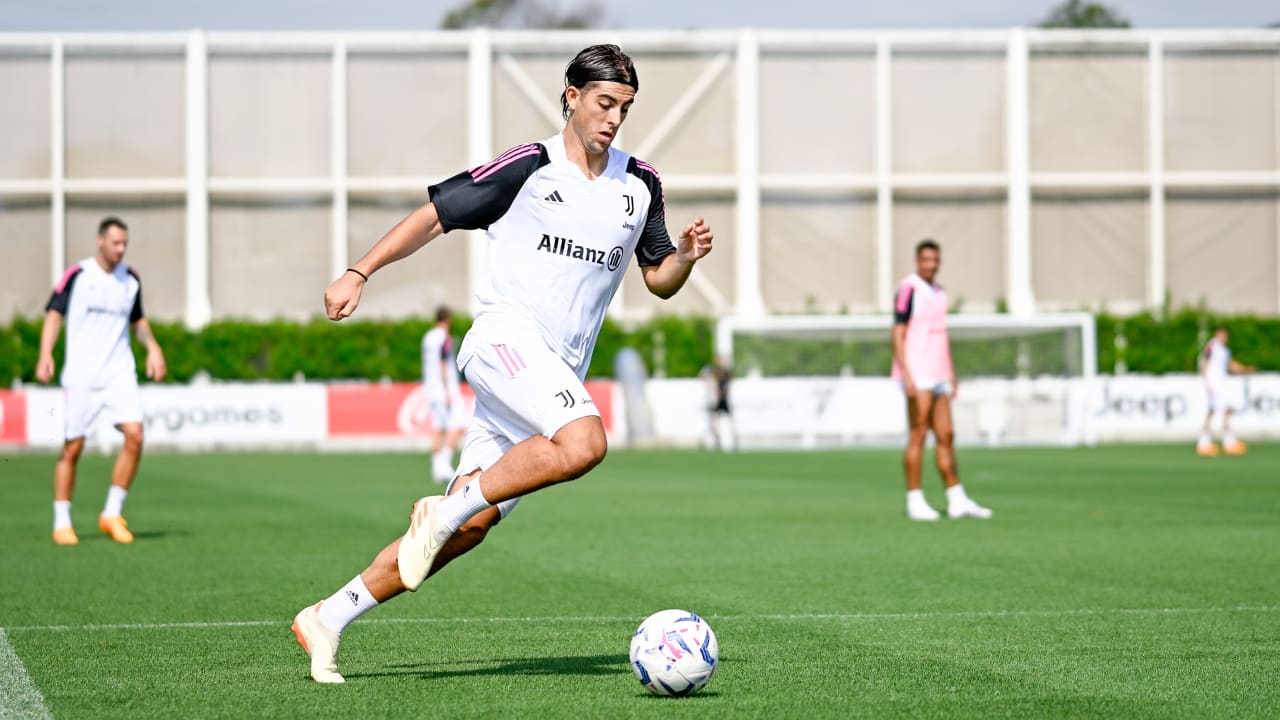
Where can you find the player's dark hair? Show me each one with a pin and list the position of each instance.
(110, 222)
(598, 63)
(443, 313)
(927, 244)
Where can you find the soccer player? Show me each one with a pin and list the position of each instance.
(563, 218)
(718, 375)
(1215, 364)
(922, 364)
(101, 299)
(440, 383)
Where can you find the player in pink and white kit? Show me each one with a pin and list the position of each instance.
(922, 364)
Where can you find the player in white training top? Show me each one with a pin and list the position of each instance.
(101, 299)
(1215, 364)
(564, 218)
(444, 397)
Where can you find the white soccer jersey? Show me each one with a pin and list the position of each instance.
(558, 243)
(437, 347)
(1217, 362)
(99, 307)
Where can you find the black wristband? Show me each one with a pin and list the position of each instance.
(366, 277)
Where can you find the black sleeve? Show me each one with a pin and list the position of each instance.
(476, 198)
(902, 305)
(655, 243)
(62, 292)
(136, 314)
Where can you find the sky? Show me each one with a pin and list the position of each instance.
(125, 15)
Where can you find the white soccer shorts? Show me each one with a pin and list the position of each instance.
(522, 389)
(936, 387)
(119, 401)
(1219, 399)
(448, 414)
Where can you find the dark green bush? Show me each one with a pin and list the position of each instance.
(372, 350)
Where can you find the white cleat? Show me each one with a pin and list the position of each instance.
(321, 644)
(922, 512)
(421, 542)
(968, 509)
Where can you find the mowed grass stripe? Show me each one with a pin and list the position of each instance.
(993, 614)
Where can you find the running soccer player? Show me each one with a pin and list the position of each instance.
(1215, 364)
(440, 383)
(101, 299)
(922, 364)
(563, 218)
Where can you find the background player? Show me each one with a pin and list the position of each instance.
(922, 363)
(718, 375)
(101, 298)
(564, 217)
(1215, 364)
(444, 398)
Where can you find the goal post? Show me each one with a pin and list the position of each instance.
(823, 380)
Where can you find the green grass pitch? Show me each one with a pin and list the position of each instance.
(1115, 582)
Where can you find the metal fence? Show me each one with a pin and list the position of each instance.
(1060, 170)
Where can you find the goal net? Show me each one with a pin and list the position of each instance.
(813, 381)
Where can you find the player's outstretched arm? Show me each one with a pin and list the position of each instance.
(407, 237)
(45, 367)
(1241, 368)
(694, 243)
(156, 367)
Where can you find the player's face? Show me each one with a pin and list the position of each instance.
(927, 262)
(598, 111)
(112, 244)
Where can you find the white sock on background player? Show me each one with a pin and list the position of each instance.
(61, 514)
(115, 501)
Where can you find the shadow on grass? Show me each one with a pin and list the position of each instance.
(572, 665)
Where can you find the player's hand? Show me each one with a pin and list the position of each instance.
(955, 387)
(694, 241)
(342, 297)
(909, 386)
(156, 367)
(45, 369)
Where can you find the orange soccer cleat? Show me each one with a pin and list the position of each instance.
(116, 527)
(65, 536)
(1235, 447)
(1206, 449)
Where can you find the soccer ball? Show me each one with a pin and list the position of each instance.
(674, 652)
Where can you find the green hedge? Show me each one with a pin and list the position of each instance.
(319, 349)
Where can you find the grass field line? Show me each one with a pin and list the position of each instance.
(19, 697)
(959, 614)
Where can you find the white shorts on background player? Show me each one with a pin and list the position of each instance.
(1219, 398)
(936, 387)
(117, 402)
(450, 414)
(522, 389)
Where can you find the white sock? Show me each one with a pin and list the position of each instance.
(61, 514)
(1205, 438)
(461, 506)
(342, 608)
(956, 494)
(915, 498)
(115, 501)
(1228, 438)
